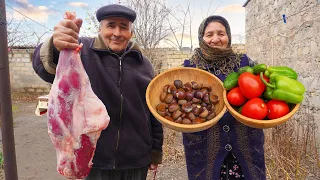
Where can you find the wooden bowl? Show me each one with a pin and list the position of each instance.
(260, 124)
(185, 74)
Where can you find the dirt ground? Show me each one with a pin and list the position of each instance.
(35, 154)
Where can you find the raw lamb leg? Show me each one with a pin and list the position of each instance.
(76, 116)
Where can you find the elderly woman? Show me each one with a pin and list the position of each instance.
(229, 149)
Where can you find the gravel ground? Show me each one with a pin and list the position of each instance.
(36, 158)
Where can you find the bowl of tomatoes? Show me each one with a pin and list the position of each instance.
(247, 100)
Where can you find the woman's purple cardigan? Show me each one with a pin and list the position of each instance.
(206, 150)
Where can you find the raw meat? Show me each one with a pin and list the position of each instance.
(76, 117)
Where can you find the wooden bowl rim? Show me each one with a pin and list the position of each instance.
(186, 127)
(273, 122)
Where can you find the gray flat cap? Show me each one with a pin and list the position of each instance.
(115, 10)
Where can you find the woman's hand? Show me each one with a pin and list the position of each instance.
(66, 34)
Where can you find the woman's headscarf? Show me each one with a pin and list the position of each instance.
(216, 59)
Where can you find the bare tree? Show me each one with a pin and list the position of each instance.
(190, 28)
(150, 27)
(36, 35)
(15, 36)
(93, 24)
(181, 21)
(179, 26)
(21, 33)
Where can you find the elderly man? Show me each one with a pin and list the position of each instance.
(119, 75)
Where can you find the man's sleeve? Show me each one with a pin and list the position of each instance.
(45, 60)
(157, 140)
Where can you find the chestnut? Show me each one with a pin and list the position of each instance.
(203, 104)
(196, 110)
(208, 87)
(198, 94)
(206, 98)
(182, 101)
(211, 107)
(183, 115)
(178, 83)
(168, 99)
(211, 115)
(176, 114)
(186, 121)
(165, 88)
(196, 100)
(214, 99)
(173, 107)
(162, 113)
(174, 93)
(162, 96)
(187, 107)
(198, 121)
(181, 94)
(196, 85)
(204, 113)
(179, 120)
(191, 116)
(169, 118)
(189, 95)
(204, 91)
(174, 101)
(168, 113)
(188, 86)
(161, 107)
(171, 89)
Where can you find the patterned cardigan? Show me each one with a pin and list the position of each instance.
(205, 151)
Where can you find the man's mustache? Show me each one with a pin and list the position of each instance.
(117, 38)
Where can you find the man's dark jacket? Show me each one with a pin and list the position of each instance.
(134, 137)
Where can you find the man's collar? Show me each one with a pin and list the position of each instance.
(99, 44)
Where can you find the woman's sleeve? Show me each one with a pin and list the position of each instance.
(188, 63)
(250, 61)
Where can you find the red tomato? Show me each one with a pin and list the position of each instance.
(277, 109)
(265, 78)
(250, 85)
(235, 97)
(255, 108)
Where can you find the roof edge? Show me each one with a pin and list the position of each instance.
(245, 4)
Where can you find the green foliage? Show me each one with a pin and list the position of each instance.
(1, 160)
(15, 109)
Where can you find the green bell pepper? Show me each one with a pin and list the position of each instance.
(267, 93)
(280, 70)
(284, 89)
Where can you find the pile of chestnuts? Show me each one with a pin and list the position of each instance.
(189, 103)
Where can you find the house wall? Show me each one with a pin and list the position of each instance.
(24, 79)
(295, 43)
(22, 76)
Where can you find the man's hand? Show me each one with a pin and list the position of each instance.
(66, 34)
(153, 166)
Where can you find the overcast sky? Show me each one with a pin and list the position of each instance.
(48, 13)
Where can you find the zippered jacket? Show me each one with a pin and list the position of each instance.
(133, 137)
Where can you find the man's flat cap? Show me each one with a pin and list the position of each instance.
(115, 10)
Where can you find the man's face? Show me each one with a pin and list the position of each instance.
(116, 33)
